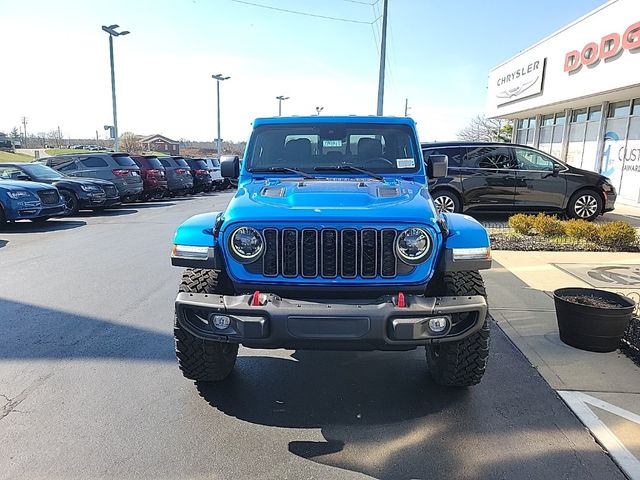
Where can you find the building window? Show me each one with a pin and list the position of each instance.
(582, 149)
(551, 133)
(619, 109)
(526, 131)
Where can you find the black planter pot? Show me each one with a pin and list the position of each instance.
(592, 328)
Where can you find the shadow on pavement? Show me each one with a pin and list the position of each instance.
(3, 243)
(380, 415)
(109, 212)
(50, 225)
(30, 332)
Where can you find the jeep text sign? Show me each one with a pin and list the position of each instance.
(520, 81)
(608, 47)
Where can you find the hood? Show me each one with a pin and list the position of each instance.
(342, 199)
(592, 176)
(13, 185)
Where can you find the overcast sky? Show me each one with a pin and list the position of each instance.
(55, 66)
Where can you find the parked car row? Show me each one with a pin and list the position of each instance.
(64, 184)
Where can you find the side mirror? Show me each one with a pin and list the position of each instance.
(230, 166)
(556, 169)
(437, 166)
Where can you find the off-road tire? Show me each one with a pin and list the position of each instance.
(463, 363)
(203, 360)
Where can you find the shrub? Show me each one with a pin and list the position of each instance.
(617, 234)
(548, 226)
(521, 223)
(581, 230)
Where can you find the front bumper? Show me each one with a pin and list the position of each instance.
(610, 200)
(91, 200)
(354, 325)
(25, 213)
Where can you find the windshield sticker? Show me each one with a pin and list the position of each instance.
(405, 163)
(332, 143)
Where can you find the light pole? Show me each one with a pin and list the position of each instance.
(318, 110)
(112, 33)
(219, 78)
(383, 54)
(280, 98)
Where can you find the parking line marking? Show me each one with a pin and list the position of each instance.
(579, 402)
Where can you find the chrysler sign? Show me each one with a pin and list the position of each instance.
(520, 81)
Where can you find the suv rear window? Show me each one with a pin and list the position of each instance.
(181, 161)
(456, 154)
(200, 164)
(125, 161)
(93, 162)
(165, 162)
(153, 162)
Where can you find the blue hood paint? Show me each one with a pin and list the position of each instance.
(13, 185)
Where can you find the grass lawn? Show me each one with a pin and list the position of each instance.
(14, 157)
(59, 151)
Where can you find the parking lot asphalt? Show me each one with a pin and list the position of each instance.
(89, 387)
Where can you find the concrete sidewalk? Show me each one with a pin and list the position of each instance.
(603, 389)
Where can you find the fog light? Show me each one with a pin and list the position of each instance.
(438, 324)
(221, 322)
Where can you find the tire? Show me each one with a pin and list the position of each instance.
(71, 203)
(3, 218)
(585, 205)
(446, 201)
(463, 363)
(203, 360)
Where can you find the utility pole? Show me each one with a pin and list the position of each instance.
(383, 54)
(280, 98)
(112, 33)
(406, 107)
(24, 124)
(59, 137)
(219, 78)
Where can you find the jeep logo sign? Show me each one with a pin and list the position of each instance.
(609, 47)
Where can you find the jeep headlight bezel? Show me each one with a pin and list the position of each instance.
(416, 249)
(247, 249)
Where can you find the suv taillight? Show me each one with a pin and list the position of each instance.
(118, 172)
(180, 171)
(153, 172)
(199, 171)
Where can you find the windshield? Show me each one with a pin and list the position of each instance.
(374, 147)
(41, 171)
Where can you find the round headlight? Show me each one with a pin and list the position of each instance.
(413, 245)
(246, 244)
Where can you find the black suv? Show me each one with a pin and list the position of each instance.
(506, 177)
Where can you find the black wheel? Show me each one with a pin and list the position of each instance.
(463, 363)
(3, 218)
(203, 360)
(446, 201)
(71, 205)
(585, 205)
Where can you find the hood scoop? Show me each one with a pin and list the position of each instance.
(388, 192)
(273, 192)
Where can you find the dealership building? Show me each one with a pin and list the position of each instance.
(576, 94)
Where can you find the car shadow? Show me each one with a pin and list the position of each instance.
(380, 414)
(50, 225)
(3, 243)
(109, 212)
(31, 332)
(154, 204)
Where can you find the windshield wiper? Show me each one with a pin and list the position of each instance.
(348, 168)
(281, 170)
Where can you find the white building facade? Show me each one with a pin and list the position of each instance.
(576, 95)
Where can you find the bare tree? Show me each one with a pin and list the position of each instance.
(54, 137)
(486, 129)
(131, 142)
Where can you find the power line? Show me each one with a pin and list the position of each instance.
(361, 3)
(269, 7)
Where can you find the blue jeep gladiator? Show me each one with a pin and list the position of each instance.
(332, 242)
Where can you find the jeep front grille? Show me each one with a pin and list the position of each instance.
(329, 253)
(49, 197)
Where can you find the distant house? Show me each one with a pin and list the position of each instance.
(160, 143)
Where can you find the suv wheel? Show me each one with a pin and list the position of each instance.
(3, 218)
(203, 360)
(446, 202)
(585, 205)
(463, 363)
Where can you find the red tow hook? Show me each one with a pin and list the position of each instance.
(255, 300)
(401, 303)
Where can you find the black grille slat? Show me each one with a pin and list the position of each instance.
(289, 252)
(110, 190)
(329, 253)
(309, 253)
(388, 259)
(270, 259)
(349, 253)
(49, 197)
(368, 252)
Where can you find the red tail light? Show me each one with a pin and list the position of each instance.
(153, 172)
(180, 171)
(199, 171)
(120, 172)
